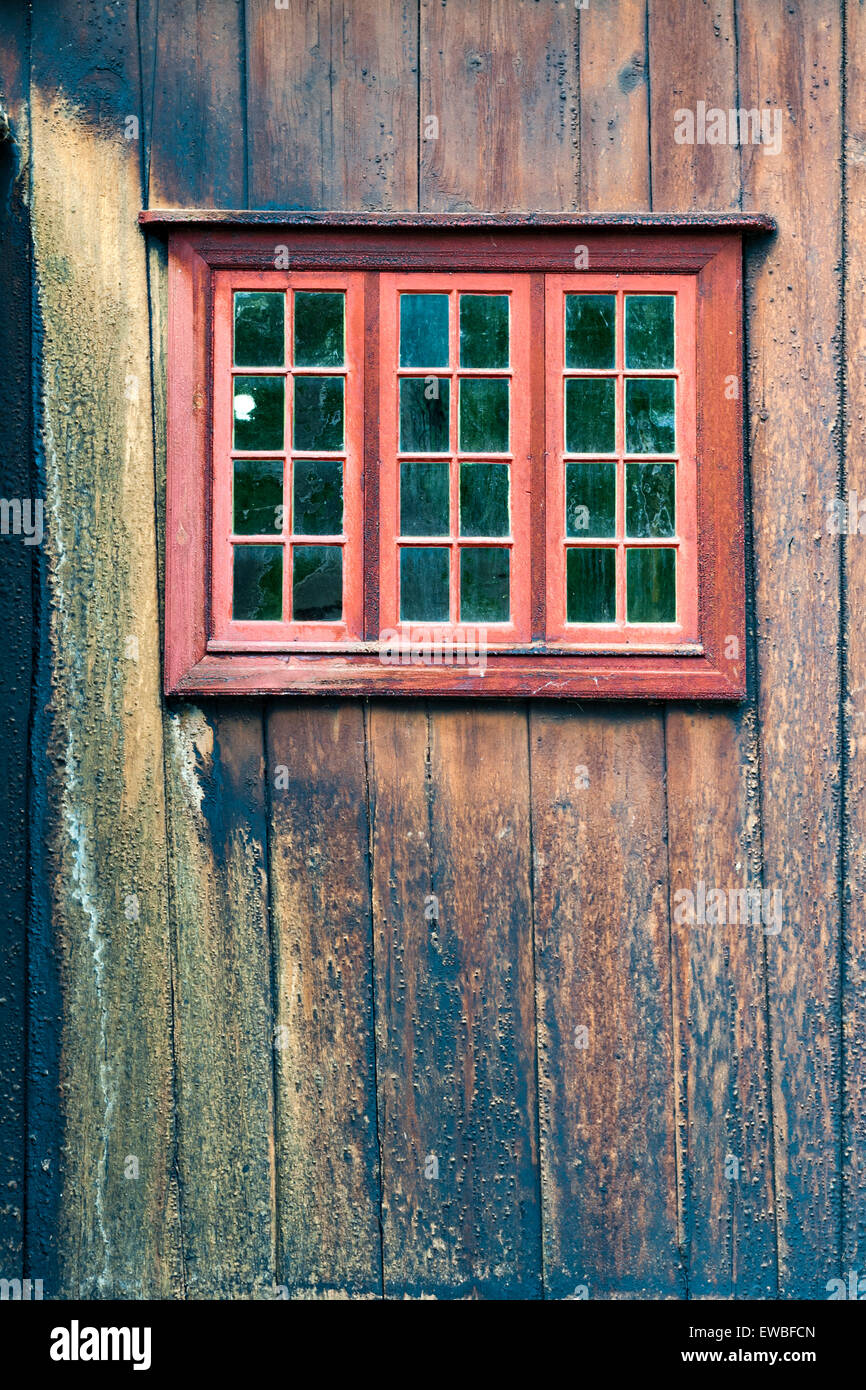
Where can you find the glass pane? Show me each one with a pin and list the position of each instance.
(258, 583)
(484, 588)
(484, 499)
(649, 416)
(259, 332)
(424, 594)
(424, 414)
(484, 330)
(590, 330)
(259, 408)
(649, 499)
(590, 499)
(423, 330)
(590, 585)
(484, 415)
(319, 412)
(649, 330)
(257, 496)
(319, 328)
(651, 585)
(590, 418)
(317, 583)
(317, 497)
(424, 502)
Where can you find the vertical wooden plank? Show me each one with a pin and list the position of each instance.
(192, 63)
(16, 617)
(613, 105)
(332, 122)
(223, 1030)
(320, 899)
(722, 1056)
(215, 773)
(789, 62)
(604, 1000)
(100, 875)
(332, 102)
(456, 1029)
(499, 106)
(854, 828)
(455, 1017)
(609, 1177)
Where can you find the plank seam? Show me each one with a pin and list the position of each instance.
(365, 716)
(532, 925)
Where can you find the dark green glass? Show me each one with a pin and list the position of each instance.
(590, 499)
(257, 594)
(257, 496)
(484, 499)
(590, 330)
(590, 585)
(423, 330)
(590, 415)
(484, 584)
(484, 330)
(260, 339)
(650, 490)
(651, 585)
(319, 334)
(317, 501)
(484, 415)
(649, 330)
(424, 499)
(319, 412)
(259, 412)
(317, 583)
(424, 415)
(424, 596)
(650, 425)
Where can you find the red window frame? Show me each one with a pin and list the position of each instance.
(517, 458)
(621, 633)
(229, 635)
(535, 260)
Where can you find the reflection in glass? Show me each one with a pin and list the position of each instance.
(257, 594)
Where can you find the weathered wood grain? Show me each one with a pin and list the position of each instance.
(194, 116)
(455, 1008)
(789, 60)
(854, 827)
(713, 810)
(101, 870)
(599, 1138)
(614, 170)
(328, 1161)
(215, 774)
(16, 619)
(332, 104)
(500, 82)
(604, 1000)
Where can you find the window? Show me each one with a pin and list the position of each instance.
(491, 456)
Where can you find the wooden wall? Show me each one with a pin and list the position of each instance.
(235, 991)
